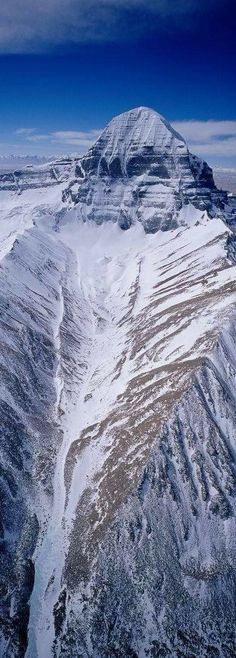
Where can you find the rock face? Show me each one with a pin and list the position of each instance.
(140, 169)
(118, 404)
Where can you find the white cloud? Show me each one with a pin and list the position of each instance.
(209, 138)
(24, 131)
(30, 26)
(76, 138)
(80, 140)
(37, 138)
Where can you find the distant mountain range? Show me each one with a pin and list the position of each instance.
(225, 178)
(12, 162)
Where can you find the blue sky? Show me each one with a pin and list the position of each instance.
(68, 66)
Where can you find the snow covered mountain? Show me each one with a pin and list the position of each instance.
(141, 169)
(118, 403)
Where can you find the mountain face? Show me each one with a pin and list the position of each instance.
(140, 169)
(118, 403)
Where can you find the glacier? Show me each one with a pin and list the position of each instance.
(118, 402)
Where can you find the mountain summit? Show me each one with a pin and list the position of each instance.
(141, 133)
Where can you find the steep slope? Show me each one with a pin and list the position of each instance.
(166, 578)
(102, 331)
(34, 272)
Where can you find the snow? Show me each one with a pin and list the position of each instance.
(114, 266)
(129, 315)
(142, 126)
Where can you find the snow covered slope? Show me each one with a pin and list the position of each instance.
(165, 581)
(102, 333)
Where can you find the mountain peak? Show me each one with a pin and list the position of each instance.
(140, 169)
(147, 117)
(137, 132)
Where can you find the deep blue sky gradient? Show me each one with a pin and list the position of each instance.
(183, 75)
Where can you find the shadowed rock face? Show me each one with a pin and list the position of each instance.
(141, 169)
